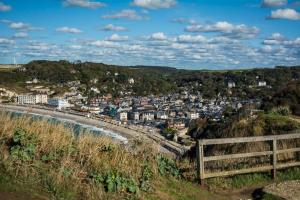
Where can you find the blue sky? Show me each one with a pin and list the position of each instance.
(190, 34)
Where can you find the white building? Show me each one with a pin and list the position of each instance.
(231, 84)
(32, 99)
(192, 115)
(59, 103)
(122, 116)
(147, 116)
(131, 81)
(262, 83)
(162, 115)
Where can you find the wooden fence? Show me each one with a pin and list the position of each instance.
(202, 159)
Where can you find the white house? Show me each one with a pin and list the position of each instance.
(262, 83)
(131, 81)
(41, 98)
(147, 116)
(192, 115)
(32, 99)
(122, 116)
(162, 115)
(59, 103)
(231, 84)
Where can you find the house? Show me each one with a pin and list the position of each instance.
(34, 81)
(32, 99)
(162, 115)
(176, 124)
(262, 84)
(122, 116)
(59, 103)
(135, 116)
(231, 84)
(131, 81)
(40, 89)
(147, 116)
(96, 90)
(192, 115)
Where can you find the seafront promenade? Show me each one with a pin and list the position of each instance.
(118, 131)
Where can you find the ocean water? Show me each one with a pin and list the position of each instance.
(76, 127)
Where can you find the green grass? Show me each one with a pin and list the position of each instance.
(27, 190)
(258, 179)
(170, 188)
(270, 197)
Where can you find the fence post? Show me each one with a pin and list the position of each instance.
(200, 162)
(274, 157)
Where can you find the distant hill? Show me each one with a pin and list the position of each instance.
(152, 79)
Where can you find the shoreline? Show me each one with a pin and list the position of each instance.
(128, 133)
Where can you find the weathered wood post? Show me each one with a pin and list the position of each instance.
(274, 158)
(200, 162)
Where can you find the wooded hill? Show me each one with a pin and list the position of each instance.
(153, 80)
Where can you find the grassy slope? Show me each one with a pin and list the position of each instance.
(44, 160)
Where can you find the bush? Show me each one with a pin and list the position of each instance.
(167, 166)
(114, 181)
(281, 110)
(23, 146)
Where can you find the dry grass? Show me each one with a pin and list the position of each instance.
(72, 159)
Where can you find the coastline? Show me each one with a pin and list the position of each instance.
(105, 127)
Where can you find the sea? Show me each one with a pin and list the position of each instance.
(76, 127)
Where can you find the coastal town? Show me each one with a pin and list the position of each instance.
(168, 115)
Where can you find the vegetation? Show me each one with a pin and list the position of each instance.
(57, 164)
(155, 80)
(287, 97)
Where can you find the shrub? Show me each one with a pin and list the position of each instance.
(167, 166)
(23, 146)
(281, 110)
(114, 181)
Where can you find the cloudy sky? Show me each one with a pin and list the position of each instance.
(191, 34)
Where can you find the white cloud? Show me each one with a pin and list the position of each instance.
(19, 25)
(158, 36)
(275, 39)
(4, 7)
(102, 43)
(66, 29)
(111, 27)
(154, 4)
(124, 14)
(191, 38)
(274, 3)
(76, 47)
(117, 38)
(182, 20)
(286, 13)
(21, 35)
(5, 41)
(237, 31)
(84, 4)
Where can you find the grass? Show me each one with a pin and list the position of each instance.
(170, 188)
(67, 166)
(51, 161)
(48, 161)
(256, 179)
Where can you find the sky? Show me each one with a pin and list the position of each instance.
(188, 34)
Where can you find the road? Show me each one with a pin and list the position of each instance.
(120, 131)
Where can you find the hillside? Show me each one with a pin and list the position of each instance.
(40, 160)
(150, 80)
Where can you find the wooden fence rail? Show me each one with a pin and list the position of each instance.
(202, 159)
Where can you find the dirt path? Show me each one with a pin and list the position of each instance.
(289, 190)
